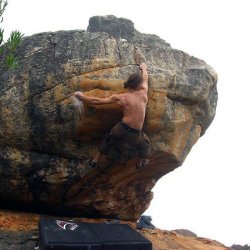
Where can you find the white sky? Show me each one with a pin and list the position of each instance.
(209, 193)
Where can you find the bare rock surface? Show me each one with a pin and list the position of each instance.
(45, 141)
(184, 232)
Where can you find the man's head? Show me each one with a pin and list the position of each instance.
(134, 81)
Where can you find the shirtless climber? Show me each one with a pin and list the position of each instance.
(129, 130)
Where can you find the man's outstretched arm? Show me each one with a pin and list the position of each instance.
(144, 85)
(95, 100)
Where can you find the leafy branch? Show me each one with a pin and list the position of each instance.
(12, 43)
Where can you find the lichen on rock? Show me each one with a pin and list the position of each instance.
(45, 142)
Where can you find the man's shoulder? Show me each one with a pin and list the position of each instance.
(121, 99)
(141, 91)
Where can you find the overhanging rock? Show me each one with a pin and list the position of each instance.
(45, 141)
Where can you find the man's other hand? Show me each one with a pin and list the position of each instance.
(143, 66)
(78, 95)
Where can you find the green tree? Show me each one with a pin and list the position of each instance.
(12, 43)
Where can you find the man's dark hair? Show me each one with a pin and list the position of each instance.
(134, 81)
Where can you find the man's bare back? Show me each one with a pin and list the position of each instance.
(133, 104)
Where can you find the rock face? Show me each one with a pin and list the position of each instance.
(45, 141)
(239, 247)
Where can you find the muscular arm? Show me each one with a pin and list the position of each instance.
(144, 85)
(95, 100)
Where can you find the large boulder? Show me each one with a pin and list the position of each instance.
(45, 141)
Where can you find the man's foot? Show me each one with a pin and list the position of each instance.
(92, 163)
(142, 164)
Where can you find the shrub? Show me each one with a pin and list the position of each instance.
(7, 51)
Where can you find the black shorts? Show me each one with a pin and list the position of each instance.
(127, 140)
